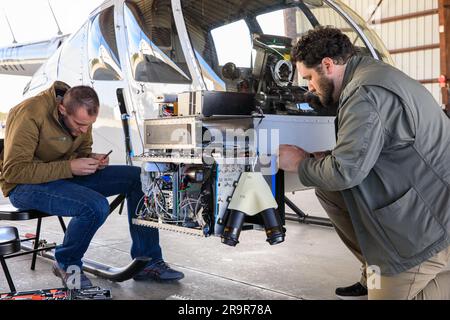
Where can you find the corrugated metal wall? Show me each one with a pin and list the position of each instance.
(410, 30)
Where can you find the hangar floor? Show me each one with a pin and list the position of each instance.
(308, 265)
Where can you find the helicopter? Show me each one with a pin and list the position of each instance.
(137, 51)
(143, 56)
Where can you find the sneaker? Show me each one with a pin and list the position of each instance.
(353, 292)
(68, 278)
(159, 271)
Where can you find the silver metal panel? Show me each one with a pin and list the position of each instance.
(172, 133)
(165, 159)
(309, 133)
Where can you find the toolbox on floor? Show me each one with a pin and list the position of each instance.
(92, 293)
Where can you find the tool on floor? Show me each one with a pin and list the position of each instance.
(92, 293)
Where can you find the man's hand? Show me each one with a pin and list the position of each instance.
(84, 166)
(290, 157)
(103, 162)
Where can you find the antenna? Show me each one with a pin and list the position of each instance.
(10, 29)
(54, 17)
(374, 11)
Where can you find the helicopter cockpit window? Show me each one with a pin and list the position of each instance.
(236, 37)
(224, 52)
(155, 51)
(238, 54)
(240, 51)
(292, 23)
(102, 47)
(247, 46)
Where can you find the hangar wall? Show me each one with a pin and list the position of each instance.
(410, 31)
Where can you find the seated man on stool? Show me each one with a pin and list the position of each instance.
(48, 165)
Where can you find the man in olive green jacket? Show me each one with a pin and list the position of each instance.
(386, 184)
(47, 164)
(42, 149)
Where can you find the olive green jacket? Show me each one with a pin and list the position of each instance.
(37, 148)
(391, 163)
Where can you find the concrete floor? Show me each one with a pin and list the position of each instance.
(308, 265)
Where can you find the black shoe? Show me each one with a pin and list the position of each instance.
(71, 280)
(159, 271)
(353, 292)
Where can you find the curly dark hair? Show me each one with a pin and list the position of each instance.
(320, 43)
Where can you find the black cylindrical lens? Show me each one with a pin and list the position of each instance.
(233, 228)
(273, 226)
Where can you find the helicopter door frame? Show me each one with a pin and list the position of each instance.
(188, 51)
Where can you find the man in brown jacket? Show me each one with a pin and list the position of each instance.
(47, 164)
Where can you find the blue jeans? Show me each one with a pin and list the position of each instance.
(84, 199)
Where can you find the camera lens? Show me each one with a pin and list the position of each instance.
(273, 226)
(233, 228)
